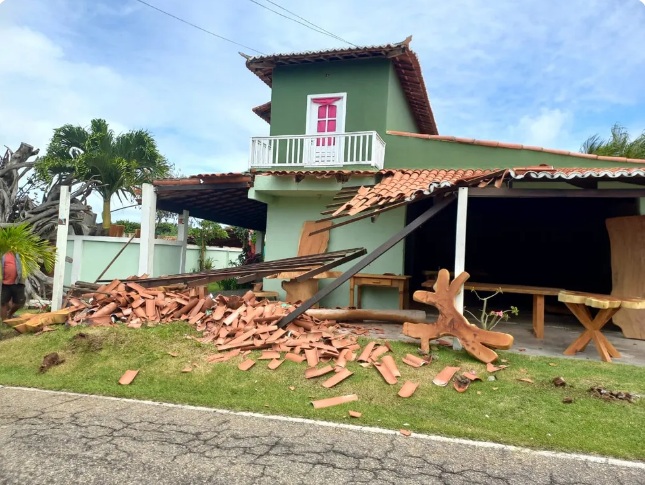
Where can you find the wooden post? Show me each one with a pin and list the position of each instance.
(61, 248)
(460, 250)
(182, 236)
(147, 240)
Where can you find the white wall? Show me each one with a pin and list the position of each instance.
(91, 254)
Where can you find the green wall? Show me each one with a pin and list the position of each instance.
(366, 82)
(399, 116)
(284, 223)
(410, 152)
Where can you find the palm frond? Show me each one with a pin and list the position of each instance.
(33, 250)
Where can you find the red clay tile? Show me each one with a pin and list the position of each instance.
(294, 357)
(388, 360)
(405, 432)
(443, 377)
(128, 377)
(365, 354)
(275, 363)
(334, 401)
(317, 372)
(378, 351)
(246, 365)
(471, 376)
(340, 376)
(312, 357)
(188, 368)
(269, 355)
(355, 414)
(408, 388)
(413, 360)
(385, 372)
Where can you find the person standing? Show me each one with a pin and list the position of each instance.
(13, 287)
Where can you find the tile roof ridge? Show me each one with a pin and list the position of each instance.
(515, 146)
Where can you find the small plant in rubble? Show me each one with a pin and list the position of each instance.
(488, 319)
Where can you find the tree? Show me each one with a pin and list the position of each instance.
(618, 145)
(203, 233)
(116, 164)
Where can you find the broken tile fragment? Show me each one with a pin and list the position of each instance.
(275, 363)
(388, 360)
(340, 376)
(334, 401)
(405, 432)
(355, 414)
(408, 389)
(246, 365)
(294, 357)
(444, 377)
(317, 372)
(385, 373)
(413, 360)
(128, 377)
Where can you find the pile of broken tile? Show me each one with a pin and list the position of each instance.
(238, 325)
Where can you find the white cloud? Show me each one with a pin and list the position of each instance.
(549, 128)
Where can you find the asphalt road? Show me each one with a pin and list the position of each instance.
(52, 438)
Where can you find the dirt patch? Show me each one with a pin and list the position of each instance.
(89, 342)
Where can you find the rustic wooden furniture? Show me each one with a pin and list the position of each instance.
(400, 282)
(579, 304)
(626, 236)
(475, 340)
(538, 293)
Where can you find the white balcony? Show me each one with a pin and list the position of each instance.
(333, 150)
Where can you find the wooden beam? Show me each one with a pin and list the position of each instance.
(363, 215)
(438, 206)
(554, 193)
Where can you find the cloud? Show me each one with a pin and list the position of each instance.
(545, 129)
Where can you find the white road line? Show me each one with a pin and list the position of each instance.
(353, 427)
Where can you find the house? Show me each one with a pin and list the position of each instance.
(353, 139)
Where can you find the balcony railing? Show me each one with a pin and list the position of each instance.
(334, 150)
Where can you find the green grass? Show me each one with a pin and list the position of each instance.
(505, 411)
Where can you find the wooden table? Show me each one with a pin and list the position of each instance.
(538, 292)
(401, 282)
(607, 305)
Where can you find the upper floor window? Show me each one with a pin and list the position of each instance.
(326, 114)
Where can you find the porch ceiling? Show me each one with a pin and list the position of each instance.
(220, 198)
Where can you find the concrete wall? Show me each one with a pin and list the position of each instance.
(399, 116)
(90, 256)
(366, 82)
(290, 204)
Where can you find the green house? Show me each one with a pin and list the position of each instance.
(353, 139)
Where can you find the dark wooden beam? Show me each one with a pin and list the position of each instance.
(198, 186)
(438, 206)
(552, 193)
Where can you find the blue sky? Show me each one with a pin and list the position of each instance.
(539, 72)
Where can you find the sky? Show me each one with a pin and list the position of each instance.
(537, 72)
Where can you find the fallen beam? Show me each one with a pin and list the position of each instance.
(397, 316)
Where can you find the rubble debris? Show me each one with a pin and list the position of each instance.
(128, 377)
(246, 364)
(559, 382)
(50, 360)
(567, 400)
(405, 432)
(414, 361)
(355, 414)
(526, 379)
(340, 376)
(602, 393)
(461, 383)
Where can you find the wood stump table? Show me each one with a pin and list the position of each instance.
(580, 303)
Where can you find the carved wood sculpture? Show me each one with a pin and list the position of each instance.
(475, 340)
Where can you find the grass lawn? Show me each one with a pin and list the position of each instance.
(506, 410)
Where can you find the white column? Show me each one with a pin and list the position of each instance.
(77, 259)
(147, 241)
(259, 241)
(460, 249)
(182, 235)
(61, 248)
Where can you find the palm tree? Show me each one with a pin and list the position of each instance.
(618, 145)
(117, 164)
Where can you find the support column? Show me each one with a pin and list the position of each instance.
(147, 241)
(259, 242)
(61, 248)
(460, 249)
(182, 236)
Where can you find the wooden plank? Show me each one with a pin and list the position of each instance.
(316, 244)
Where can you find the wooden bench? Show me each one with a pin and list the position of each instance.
(538, 293)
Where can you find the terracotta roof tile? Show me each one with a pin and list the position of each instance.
(264, 111)
(515, 146)
(404, 60)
